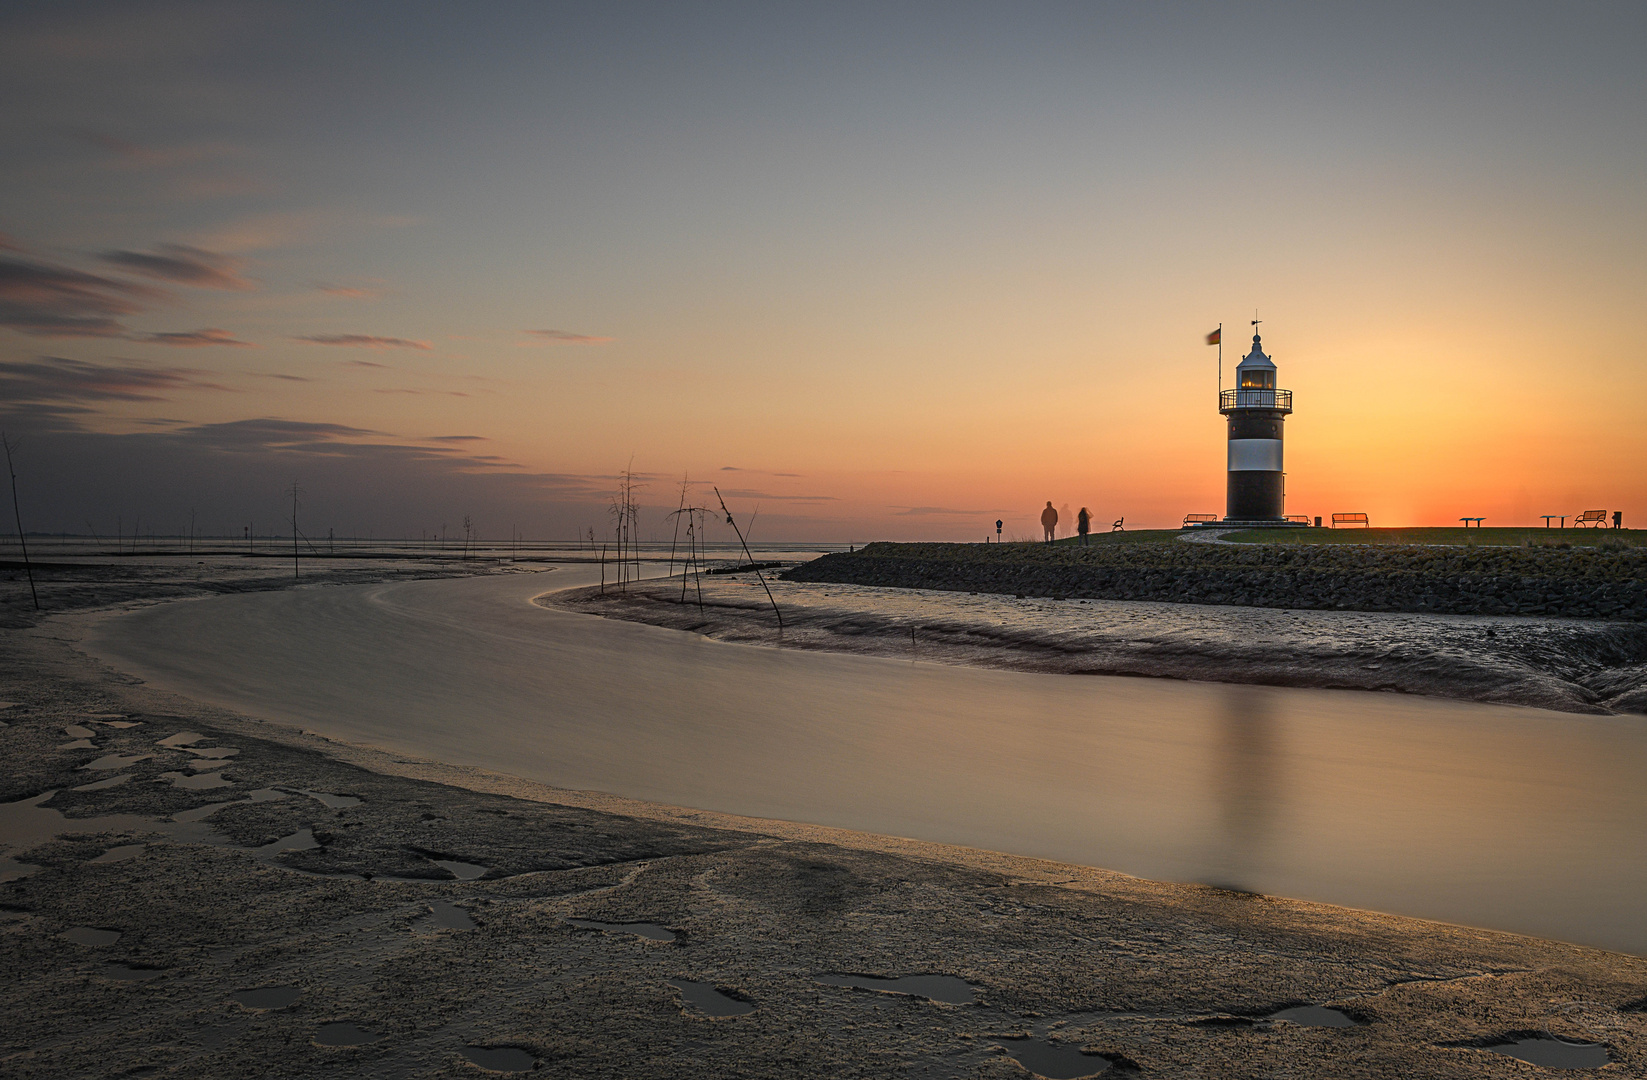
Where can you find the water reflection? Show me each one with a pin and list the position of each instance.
(1247, 780)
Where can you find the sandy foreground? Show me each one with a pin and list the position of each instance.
(190, 892)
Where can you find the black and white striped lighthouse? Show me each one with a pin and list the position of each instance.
(1255, 409)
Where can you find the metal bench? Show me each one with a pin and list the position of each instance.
(1477, 521)
(1590, 519)
(1197, 519)
(1117, 527)
(1351, 519)
(1302, 519)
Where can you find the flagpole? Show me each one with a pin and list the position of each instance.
(1220, 362)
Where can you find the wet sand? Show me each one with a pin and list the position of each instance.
(350, 912)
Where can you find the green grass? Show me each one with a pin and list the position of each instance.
(1510, 537)
(1134, 536)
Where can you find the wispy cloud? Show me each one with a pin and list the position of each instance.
(56, 301)
(365, 364)
(349, 292)
(458, 438)
(365, 341)
(280, 375)
(935, 511)
(55, 379)
(419, 393)
(183, 264)
(209, 335)
(745, 493)
(562, 337)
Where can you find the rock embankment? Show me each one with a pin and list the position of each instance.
(1577, 582)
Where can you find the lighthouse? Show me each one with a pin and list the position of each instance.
(1255, 409)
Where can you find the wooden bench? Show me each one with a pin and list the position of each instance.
(1590, 519)
(1302, 519)
(1197, 519)
(1117, 527)
(1351, 519)
(1477, 521)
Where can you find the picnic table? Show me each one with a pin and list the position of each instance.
(1477, 521)
(1547, 518)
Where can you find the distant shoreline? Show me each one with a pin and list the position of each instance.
(1568, 665)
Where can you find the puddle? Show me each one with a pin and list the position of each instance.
(200, 813)
(1554, 1053)
(331, 802)
(121, 723)
(79, 744)
(710, 1001)
(267, 997)
(500, 1058)
(91, 935)
(650, 930)
(1055, 1061)
(1314, 1016)
(123, 973)
(99, 785)
(12, 870)
(121, 853)
(344, 1034)
(302, 840)
(267, 794)
(180, 740)
(203, 781)
(449, 916)
(461, 870)
(943, 988)
(75, 731)
(26, 823)
(215, 753)
(9, 704)
(111, 762)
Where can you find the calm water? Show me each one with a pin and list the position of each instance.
(1485, 815)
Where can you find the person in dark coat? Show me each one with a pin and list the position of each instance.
(1049, 520)
(1083, 523)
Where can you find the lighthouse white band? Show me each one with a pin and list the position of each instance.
(1255, 455)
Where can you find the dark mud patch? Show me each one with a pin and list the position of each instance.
(946, 989)
(267, 998)
(1314, 1016)
(344, 1033)
(648, 930)
(501, 1059)
(705, 998)
(127, 973)
(1055, 1061)
(91, 936)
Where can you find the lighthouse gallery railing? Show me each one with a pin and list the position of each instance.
(1278, 400)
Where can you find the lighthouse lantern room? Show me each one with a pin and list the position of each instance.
(1256, 409)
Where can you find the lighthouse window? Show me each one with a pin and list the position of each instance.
(1258, 380)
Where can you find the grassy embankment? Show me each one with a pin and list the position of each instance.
(1587, 581)
(1532, 536)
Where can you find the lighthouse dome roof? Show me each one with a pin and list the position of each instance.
(1256, 358)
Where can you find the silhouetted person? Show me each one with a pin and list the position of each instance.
(1049, 520)
(1618, 519)
(1083, 523)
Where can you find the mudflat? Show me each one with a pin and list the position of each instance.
(189, 892)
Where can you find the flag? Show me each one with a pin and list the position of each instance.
(1216, 336)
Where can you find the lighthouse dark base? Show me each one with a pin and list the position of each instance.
(1254, 496)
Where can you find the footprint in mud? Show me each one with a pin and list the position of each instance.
(344, 1034)
(91, 936)
(1054, 1061)
(331, 802)
(109, 782)
(444, 915)
(267, 998)
(500, 1059)
(120, 854)
(649, 931)
(1314, 1016)
(111, 762)
(706, 999)
(1551, 1053)
(201, 781)
(941, 988)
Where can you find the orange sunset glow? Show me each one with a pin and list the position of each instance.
(899, 282)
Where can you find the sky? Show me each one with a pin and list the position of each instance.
(877, 271)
